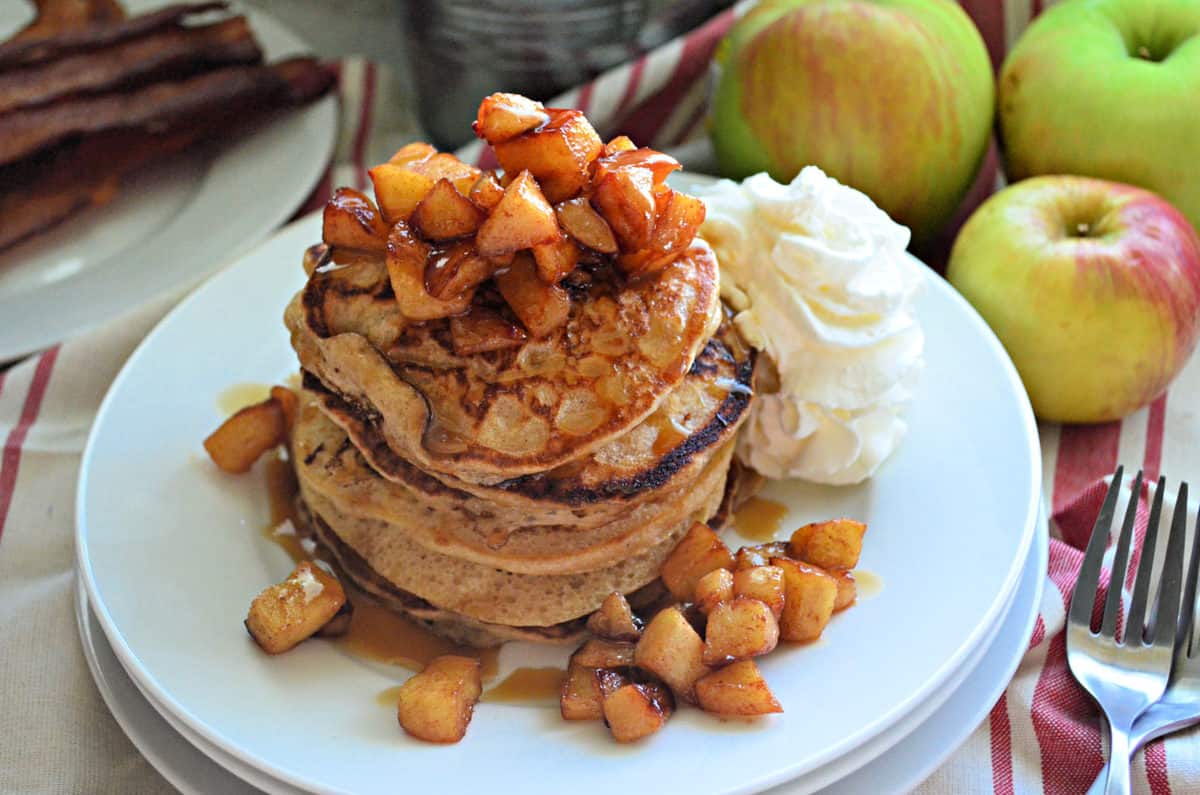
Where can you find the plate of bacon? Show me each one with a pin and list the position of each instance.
(141, 147)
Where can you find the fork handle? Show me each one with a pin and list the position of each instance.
(1119, 752)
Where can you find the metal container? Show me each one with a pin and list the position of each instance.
(462, 50)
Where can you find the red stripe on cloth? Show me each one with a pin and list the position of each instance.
(1038, 7)
(10, 459)
(988, 16)
(1002, 762)
(1086, 453)
(584, 100)
(645, 122)
(366, 112)
(631, 89)
(1156, 768)
(319, 196)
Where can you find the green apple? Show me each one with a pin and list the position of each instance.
(1092, 286)
(893, 97)
(1110, 89)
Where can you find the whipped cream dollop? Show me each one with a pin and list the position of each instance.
(819, 281)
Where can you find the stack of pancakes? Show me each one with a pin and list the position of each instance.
(504, 494)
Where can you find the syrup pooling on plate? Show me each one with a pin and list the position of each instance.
(759, 519)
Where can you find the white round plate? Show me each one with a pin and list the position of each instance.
(897, 769)
(170, 553)
(169, 227)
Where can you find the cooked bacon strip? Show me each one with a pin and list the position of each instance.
(170, 54)
(41, 192)
(31, 48)
(160, 107)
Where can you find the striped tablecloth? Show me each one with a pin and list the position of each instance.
(56, 734)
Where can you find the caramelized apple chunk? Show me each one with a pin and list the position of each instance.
(580, 697)
(739, 629)
(445, 214)
(412, 153)
(632, 712)
(558, 153)
(602, 653)
(764, 583)
(676, 223)
(834, 544)
(540, 307)
(712, 589)
(504, 116)
(621, 143)
(444, 165)
(696, 554)
(455, 270)
(252, 431)
(749, 557)
(671, 649)
(521, 219)
(486, 192)
(615, 619)
(658, 163)
(399, 190)
(847, 590)
(406, 259)
(625, 197)
(737, 689)
(283, 615)
(436, 705)
(482, 330)
(809, 597)
(555, 260)
(579, 220)
(351, 220)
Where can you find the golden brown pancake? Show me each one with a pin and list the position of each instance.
(491, 417)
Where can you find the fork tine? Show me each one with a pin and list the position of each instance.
(1136, 625)
(1112, 602)
(1187, 613)
(1172, 575)
(1084, 596)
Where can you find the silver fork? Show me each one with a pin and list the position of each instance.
(1125, 677)
(1179, 707)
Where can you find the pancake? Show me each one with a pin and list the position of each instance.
(329, 467)
(491, 417)
(669, 447)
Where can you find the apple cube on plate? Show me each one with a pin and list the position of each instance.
(632, 712)
(847, 590)
(625, 198)
(580, 697)
(601, 653)
(749, 557)
(615, 619)
(521, 219)
(482, 330)
(445, 214)
(283, 615)
(835, 544)
(739, 629)
(398, 190)
(504, 116)
(486, 192)
(764, 583)
(452, 271)
(621, 143)
(540, 307)
(412, 153)
(289, 404)
(351, 220)
(436, 705)
(712, 589)
(737, 689)
(809, 596)
(696, 554)
(339, 625)
(252, 431)
(660, 164)
(580, 220)
(559, 153)
(556, 260)
(444, 165)
(671, 649)
(406, 258)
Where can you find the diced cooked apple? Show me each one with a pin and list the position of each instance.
(559, 153)
(659, 164)
(406, 259)
(739, 629)
(289, 404)
(436, 705)
(444, 165)
(672, 650)
(749, 557)
(540, 307)
(625, 198)
(764, 583)
(602, 653)
(399, 190)
(809, 596)
(486, 192)
(580, 697)
(615, 619)
(622, 143)
(445, 214)
(340, 623)
(351, 220)
(455, 270)
(482, 330)
(522, 219)
(737, 689)
(835, 544)
(847, 589)
(580, 220)
(505, 116)
(631, 713)
(712, 589)
(411, 153)
(609, 680)
(283, 615)
(252, 431)
(556, 260)
(696, 554)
